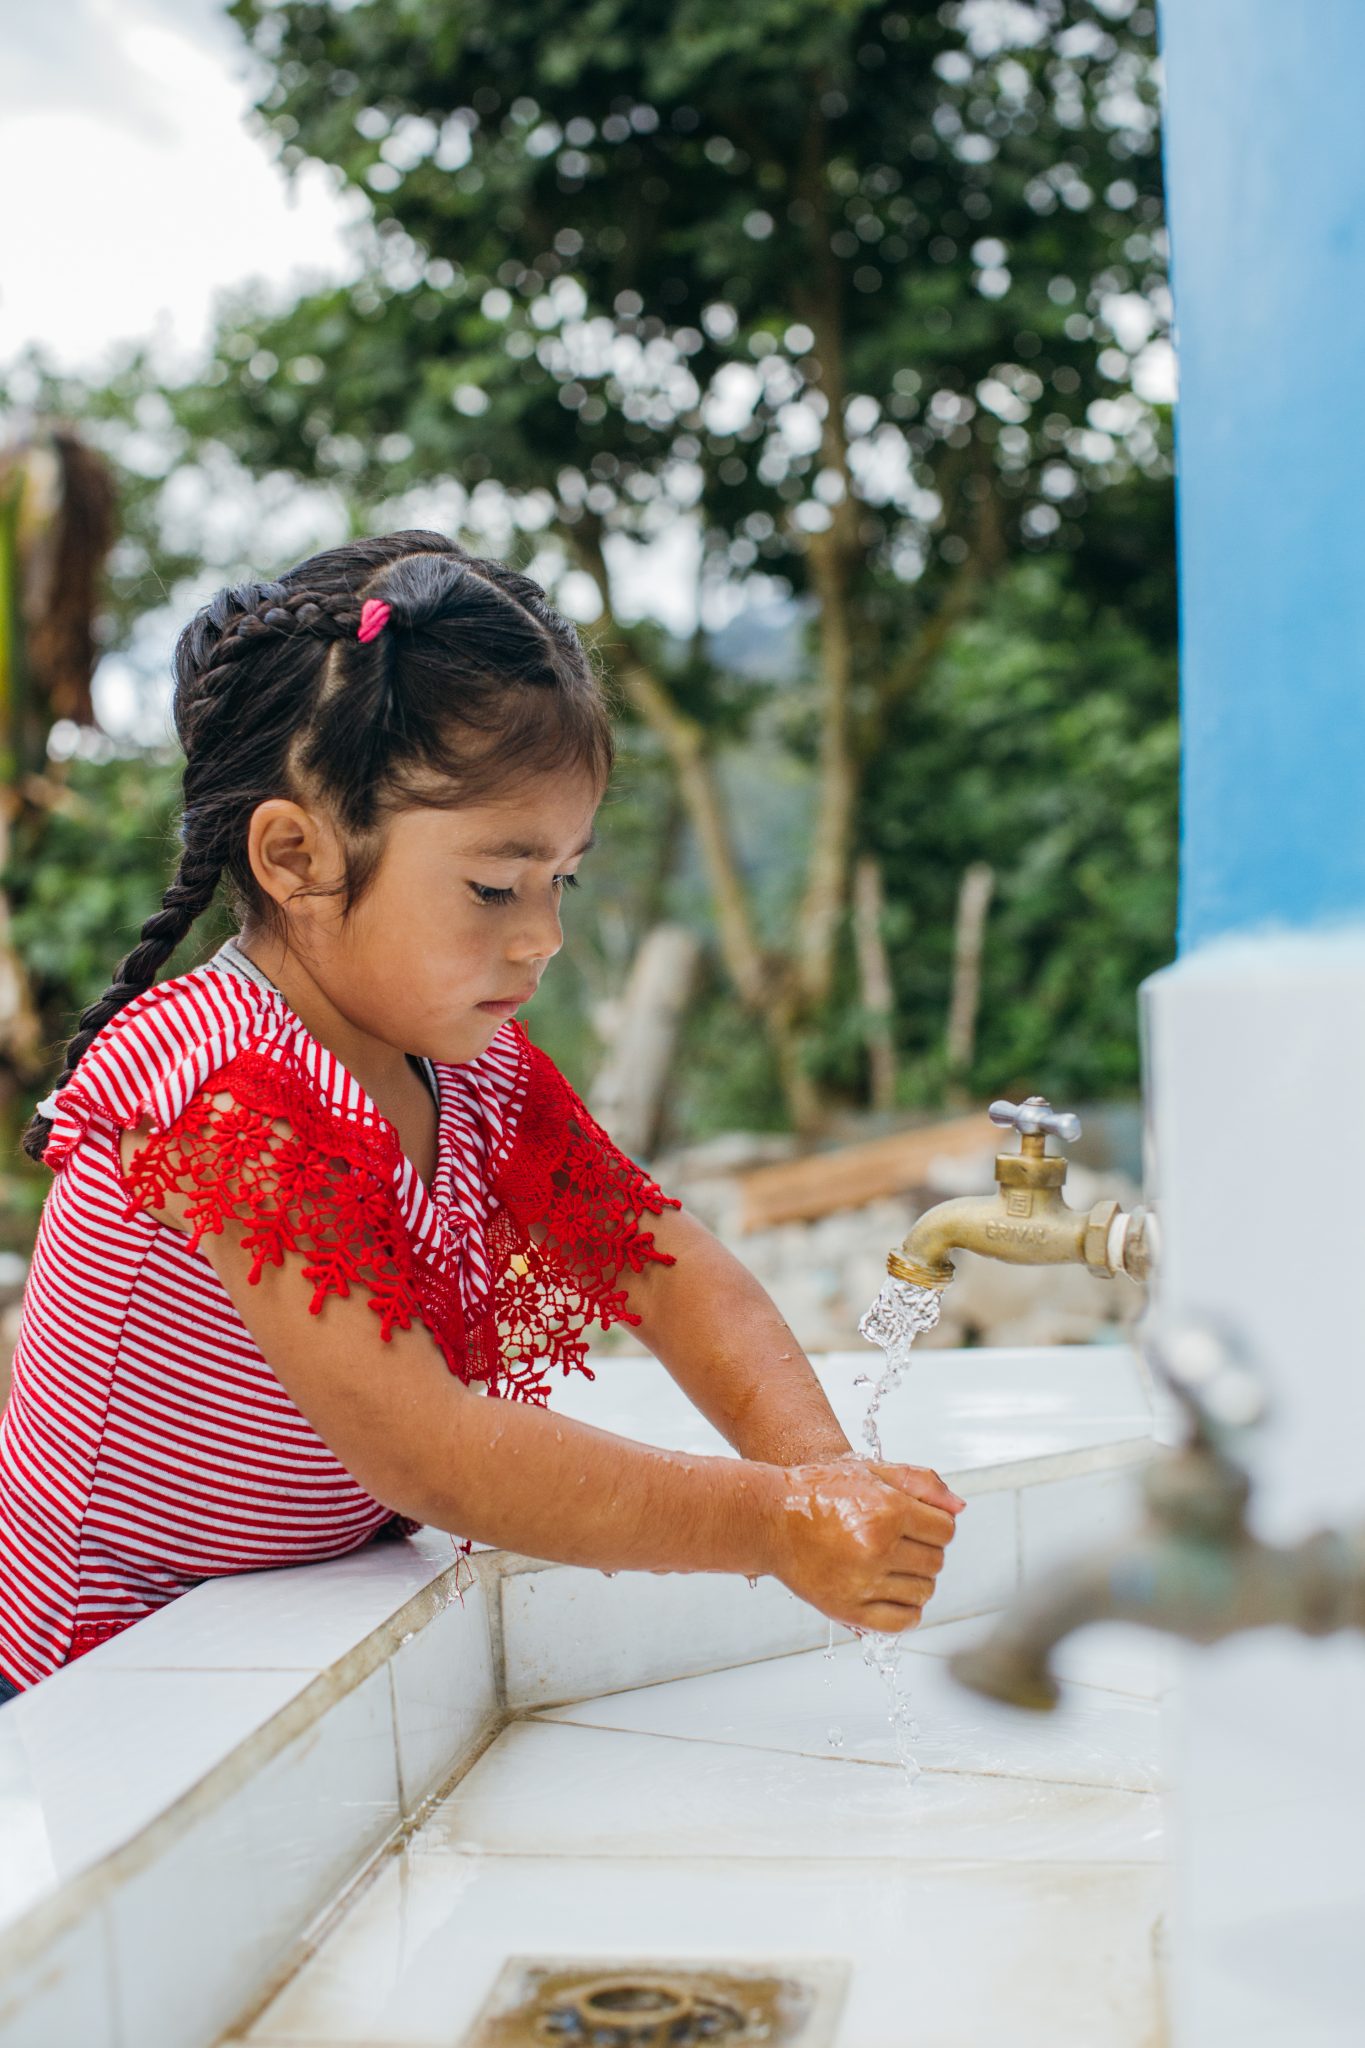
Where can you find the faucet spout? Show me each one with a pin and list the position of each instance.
(1316, 1586)
(1194, 1570)
(1045, 1233)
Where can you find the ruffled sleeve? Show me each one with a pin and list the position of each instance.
(301, 1176)
(568, 1223)
(322, 1187)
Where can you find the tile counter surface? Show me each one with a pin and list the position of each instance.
(1002, 1895)
(115, 1739)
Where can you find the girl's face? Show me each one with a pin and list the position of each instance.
(463, 912)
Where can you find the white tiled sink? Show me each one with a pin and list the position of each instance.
(1012, 1892)
(177, 1807)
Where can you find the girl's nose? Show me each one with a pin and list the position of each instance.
(541, 936)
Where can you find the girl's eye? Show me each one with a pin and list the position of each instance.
(490, 896)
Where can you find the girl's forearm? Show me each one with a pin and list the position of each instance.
(523, 1479)
(724, 1340)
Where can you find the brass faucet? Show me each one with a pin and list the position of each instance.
(1194, 1569)
(1025, 1221)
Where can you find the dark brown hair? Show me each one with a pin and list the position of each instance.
(476, 682)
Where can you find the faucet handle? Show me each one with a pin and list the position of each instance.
(1036, 1115)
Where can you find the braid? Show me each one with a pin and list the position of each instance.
(274, 612)
(188, 897)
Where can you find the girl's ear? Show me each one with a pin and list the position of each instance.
(289, 847)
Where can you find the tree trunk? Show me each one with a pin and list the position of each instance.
(684, 741)
(628, 1094)
(57, 509)
(805, 1105)
(826, 893)
(20, 1030)
(973, 904)
(874, 976)
(834, 556)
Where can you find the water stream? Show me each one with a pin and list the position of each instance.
(900, 1313)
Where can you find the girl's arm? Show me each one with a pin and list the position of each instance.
(722, 1337)
(862, 1544)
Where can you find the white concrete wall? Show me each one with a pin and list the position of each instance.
(1256, 1077)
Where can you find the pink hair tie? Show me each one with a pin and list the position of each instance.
(374, 616)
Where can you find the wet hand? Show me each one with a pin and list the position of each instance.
(863, 1542)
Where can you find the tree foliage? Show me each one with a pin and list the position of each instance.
(1046, 743)
(868, 297)
(856, 288)
(634, 257)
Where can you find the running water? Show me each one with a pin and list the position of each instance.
(900, 1313)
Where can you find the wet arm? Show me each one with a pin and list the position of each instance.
(722, 1337)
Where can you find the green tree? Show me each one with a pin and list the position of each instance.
(857, 287)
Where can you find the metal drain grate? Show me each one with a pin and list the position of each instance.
(537, 2003)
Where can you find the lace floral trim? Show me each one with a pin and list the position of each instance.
(564, 1173)
(324, 1189)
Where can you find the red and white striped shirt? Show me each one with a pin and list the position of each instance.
(147, 1444)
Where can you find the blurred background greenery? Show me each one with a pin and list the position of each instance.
(816, 355)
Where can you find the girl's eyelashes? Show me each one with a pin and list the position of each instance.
(492, 896)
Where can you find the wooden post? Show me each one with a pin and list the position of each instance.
(874, 976)
(973, 904)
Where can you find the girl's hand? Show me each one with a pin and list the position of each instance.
(863, 1542)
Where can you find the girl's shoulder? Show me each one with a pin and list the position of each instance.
(156, 1052)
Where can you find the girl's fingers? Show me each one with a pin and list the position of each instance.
(923, 1524)
(924, 1484)
(905, 1588)
(888, 1617)
(913, 1556)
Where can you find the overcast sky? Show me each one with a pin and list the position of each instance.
(144, 191)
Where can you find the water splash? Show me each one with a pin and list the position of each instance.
(900, 1313)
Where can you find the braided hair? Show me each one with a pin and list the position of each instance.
(476, 682)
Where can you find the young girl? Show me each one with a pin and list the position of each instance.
(317, 1196)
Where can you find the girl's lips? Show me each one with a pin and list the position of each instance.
(499, 1009)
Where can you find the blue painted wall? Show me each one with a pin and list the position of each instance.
(1265, 161)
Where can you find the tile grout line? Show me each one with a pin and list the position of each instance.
(324, 1922)
(868, 1762)
(821, 1861)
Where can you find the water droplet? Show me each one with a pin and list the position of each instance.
(836, 1738)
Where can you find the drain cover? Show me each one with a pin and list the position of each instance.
(537, 2003)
